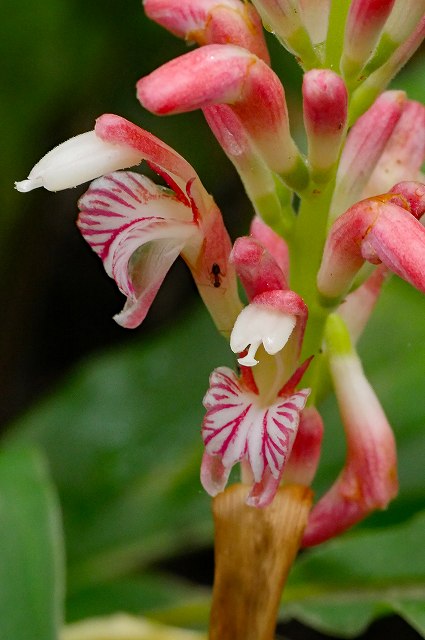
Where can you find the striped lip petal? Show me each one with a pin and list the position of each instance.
(138, 229)
(236, 426)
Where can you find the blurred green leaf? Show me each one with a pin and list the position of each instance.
(31, 562)
(413, 611)
(148, 594)
(341, 586)
(123, 439)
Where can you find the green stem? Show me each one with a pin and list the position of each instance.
(306, 247)
(335, 36)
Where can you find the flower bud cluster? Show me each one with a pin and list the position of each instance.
(331, 223)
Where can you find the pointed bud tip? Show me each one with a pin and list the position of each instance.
(28, 185)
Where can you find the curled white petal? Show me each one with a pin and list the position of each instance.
(257, 324)
(78, 160)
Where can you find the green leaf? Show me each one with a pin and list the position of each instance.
(341, 586)
(148, 594)
(413, 611)
(123, 440)
(31, 562)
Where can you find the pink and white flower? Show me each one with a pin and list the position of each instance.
(253, 418)
(368, 480)
(383, 229)
(237, 426)
(136, 227)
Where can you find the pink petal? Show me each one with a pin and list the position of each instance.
(410, 196)
(226, 74)
(164, 160)
(274, 244)
(363, 148)
(227, 420)
(211, 22)
(256, 267)
(119, 214)
(404, 152)
(272, 434)
(325, 113)
(369, 478)
(263, 492)
(214, 474)
(378, 231)
(304, 459)
(365, 21)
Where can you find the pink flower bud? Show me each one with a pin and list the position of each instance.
(379, 79)
(325, 114)
(402, 22)
(363, 148)
(255, 175)
(369, 478)
(376, 230)
(365, 21)
(304, 460)
(404, 152)
(256, 267)
(211, 22)
(219, 74)
(274, 244)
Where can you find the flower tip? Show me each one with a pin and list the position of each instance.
(247, 361)
(28, 185)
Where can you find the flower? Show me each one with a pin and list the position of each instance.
(230, 75)
(211, 22)
(253, 418)
(138, 228)
(368, 480)
(379, 229)
(237, 426)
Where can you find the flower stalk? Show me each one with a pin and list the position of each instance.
(254, 552)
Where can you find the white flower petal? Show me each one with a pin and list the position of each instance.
(78, 160)
(258, 324)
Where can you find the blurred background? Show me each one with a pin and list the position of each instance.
(64, 62)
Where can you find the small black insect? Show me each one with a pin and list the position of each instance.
(215, 275)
